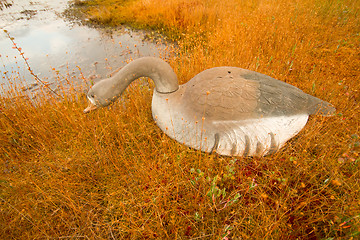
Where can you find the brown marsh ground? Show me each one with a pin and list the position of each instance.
(113, 174)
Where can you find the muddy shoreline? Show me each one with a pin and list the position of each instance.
(60, 42)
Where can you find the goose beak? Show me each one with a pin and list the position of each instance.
(90, 108)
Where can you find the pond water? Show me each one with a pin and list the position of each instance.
(55, 45)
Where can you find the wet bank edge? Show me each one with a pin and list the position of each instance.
(62, 45)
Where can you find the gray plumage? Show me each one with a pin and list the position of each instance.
(228, 110)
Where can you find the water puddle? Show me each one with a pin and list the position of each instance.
(56, 46)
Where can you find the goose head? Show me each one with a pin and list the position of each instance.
(104, 93)
(108, 90)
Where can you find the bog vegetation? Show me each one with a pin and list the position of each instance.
(113, 174)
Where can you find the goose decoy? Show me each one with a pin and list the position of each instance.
(227, 110)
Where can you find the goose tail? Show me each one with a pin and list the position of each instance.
(322, 108)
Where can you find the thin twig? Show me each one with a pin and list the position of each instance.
(28, 66)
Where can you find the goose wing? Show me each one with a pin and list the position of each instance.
(229, 93)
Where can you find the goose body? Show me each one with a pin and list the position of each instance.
(227, 110)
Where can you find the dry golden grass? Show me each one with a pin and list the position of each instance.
(113, 174)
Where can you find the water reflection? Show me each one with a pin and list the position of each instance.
(53, 44)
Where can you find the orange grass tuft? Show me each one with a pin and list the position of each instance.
(113, 174)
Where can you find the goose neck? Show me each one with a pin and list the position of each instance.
(157, 69)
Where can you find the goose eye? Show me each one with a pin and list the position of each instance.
(91, 95)
(91, 98)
